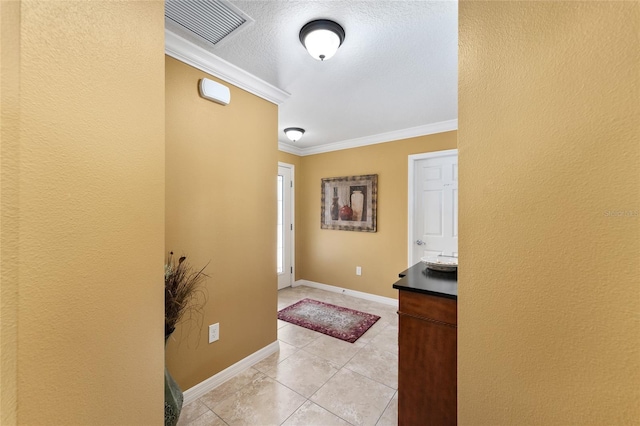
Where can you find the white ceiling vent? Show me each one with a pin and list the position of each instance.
(211, 20)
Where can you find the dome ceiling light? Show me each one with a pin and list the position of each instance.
(322, 38)
(294, 133)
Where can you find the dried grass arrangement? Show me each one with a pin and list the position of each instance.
(182, 287)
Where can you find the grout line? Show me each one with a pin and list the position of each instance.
(386, 407)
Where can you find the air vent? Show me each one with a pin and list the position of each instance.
(211, 20)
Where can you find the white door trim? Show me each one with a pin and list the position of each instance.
(412, 163)
(292, 210)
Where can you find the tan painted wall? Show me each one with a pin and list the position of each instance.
(549, 146)
(330, 256)
(9, 198)
(84, 176)
(221, 172)
(285, 157)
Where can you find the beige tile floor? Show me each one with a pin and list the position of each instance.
(314, 380)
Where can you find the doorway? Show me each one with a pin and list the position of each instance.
(285, 238)
(433, 205)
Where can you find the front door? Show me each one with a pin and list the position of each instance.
(435, 205)
(285, 226)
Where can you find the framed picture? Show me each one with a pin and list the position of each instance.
(349, 203)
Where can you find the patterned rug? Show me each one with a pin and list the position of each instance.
(335, 321)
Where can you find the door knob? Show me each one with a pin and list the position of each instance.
(420, 242)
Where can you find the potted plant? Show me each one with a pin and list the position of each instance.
(181, 289)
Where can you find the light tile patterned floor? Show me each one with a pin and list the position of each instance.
(314, 380)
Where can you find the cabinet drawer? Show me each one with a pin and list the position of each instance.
(426, 306)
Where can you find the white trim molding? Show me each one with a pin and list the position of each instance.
(285, 147)
(410, 197)
(412, 132)
(347, 292)
(187, 52)
(216, 380)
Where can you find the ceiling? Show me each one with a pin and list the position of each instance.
(394, 76)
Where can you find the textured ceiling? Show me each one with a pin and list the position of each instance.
(397, 68)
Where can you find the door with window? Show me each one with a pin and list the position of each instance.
(285, 225)
(434, 199)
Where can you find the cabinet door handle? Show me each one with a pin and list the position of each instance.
(420, 242)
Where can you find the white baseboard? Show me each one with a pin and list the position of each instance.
(354, 293)
(216, 380)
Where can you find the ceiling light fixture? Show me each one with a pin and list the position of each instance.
(322, 38)
(294, 133)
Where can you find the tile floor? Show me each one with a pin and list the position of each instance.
(314, 379)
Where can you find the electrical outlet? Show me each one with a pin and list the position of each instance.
(214, 332)
(358, 270)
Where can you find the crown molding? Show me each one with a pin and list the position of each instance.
(187, 52)
(412, 132)
(285, 147)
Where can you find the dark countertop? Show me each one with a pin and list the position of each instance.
(420, 279)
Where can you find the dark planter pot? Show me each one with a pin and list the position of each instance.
(173, 397)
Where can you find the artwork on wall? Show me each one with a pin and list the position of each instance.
(349, 203)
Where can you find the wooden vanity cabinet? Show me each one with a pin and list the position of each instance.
(427, 359)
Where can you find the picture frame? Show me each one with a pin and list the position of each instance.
(349, 203)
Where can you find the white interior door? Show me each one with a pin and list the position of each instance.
(434, 196)
(285, 225)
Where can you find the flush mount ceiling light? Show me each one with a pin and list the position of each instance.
(322, 38)
(294, 133)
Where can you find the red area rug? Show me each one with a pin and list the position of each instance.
(335, 321)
